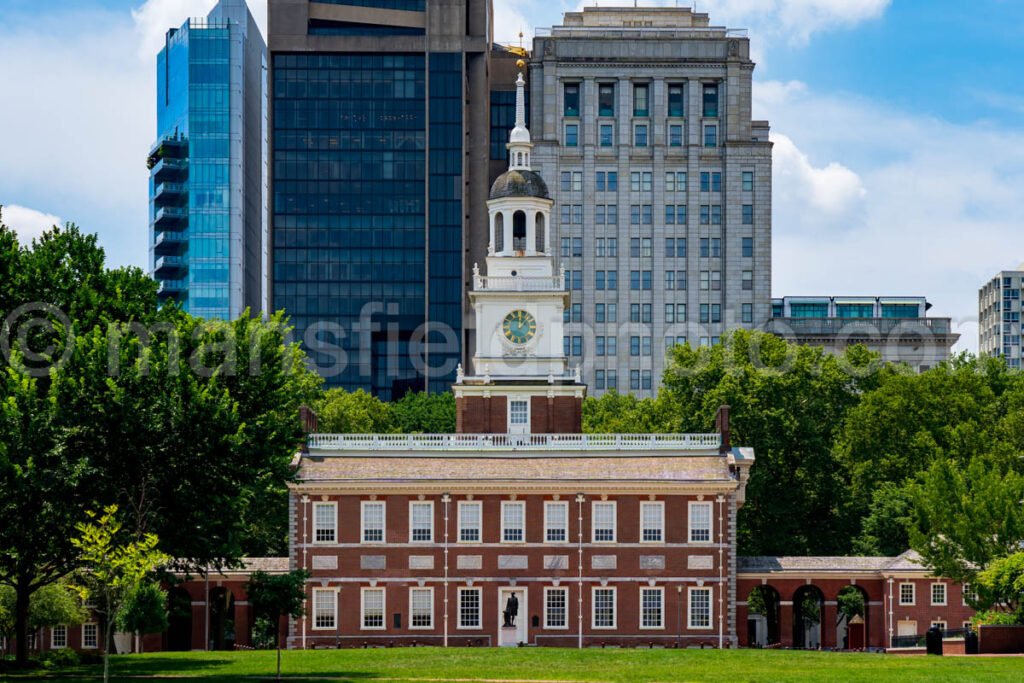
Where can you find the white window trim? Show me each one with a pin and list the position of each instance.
(547, 623)
(412, 590)
(711, 522)
(480, 520)
(944, 625)
(913, 594)
(564, 504)
(332, 505)
(362, 522)
(53, 637)
(689, 609)
(97, 627)
(945, 594)
(362, 608)
(312, 616)
(508, 418)
(965, 591)
(656, 503)
(593, 521)
(520, 503)
(422, 502)
(640, 612)
(480, 609)
(593, 608)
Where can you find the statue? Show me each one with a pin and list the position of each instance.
(511, 610)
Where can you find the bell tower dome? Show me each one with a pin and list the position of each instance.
(521, 382)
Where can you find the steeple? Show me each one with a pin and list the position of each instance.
(519, 144)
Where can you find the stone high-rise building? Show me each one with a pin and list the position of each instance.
(661, 182)
(999, 313)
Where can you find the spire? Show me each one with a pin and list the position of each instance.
(519, 144)
(520, 133)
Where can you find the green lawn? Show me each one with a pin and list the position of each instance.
(613, 666)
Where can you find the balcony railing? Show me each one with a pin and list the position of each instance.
(518, 284)
(169, 242)
(169, 191)
(514, 442)
(170, 265)
(171, 287)
(858, 327)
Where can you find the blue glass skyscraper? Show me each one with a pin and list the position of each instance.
(208, 165)
(378, 151)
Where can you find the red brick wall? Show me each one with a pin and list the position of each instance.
(556, 415)
(1001, 639)
(627, 577)
(479, 415)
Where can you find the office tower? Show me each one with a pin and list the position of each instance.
(999, 313)
(378, 157)
(897, 327)
(661, 181)
(208, 165)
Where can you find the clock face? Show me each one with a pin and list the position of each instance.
(519, 327)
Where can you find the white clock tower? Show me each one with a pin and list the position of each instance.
(521, 382)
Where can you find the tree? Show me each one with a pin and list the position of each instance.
(112, 569)
(144, 610)
(965, 518)
(58, 280)
(885, 529)
(958, 410)
(788, 402)
(615, 413)
(1002, 585)
(423, 413)
(850, 602)
(342, 412)
(55, 604)
(273, 596)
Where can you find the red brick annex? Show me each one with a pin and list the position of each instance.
(521, 530)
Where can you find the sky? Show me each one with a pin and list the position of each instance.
(899, 144)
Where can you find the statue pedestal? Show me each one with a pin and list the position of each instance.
(508, 636)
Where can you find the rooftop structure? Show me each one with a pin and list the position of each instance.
(895, 326)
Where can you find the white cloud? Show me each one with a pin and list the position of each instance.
(154, 17)
(832, 190)
(892, 203)
(794, 20)
(28, 223)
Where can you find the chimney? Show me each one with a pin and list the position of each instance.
(308, 418)
(722, 427)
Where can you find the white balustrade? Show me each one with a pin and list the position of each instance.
(519, 284)
(499, 442)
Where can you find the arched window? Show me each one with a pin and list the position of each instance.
(499, 233)
(539, 230)
(519, 231)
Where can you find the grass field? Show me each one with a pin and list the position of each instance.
(522, 665)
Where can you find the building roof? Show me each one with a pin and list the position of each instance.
(519, 183)
(539, 468)
(908, 561)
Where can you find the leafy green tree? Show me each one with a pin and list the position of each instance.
(112, 569)
(850, 602)
(144, 610)
(8, 598)
(788, 402)
(1002, 585)
(957, 410)
(55, 604)
(342, 412)
(966, 517)
(885, 529)
(615, 413)
(423, 413)
(273, 596)
(58, 279)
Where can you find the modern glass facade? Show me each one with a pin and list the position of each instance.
(372, 188)
(349, 211)
(206, 168)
